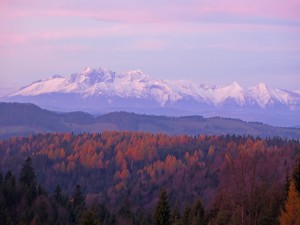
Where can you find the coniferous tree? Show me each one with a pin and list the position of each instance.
(59, 197)
(9, 199)
(43, 211)
(287, 184)
(78, 204)
(41, 190)
(89, 217)
(162, 210)
(27, 176)
(27, 180)
(103, 213)
(296, 175)
(140, 217)
(175, 216)
(198, 214)
(9, 190)
(186, 216)
(57, 194)
(3, 216)
(1, 178)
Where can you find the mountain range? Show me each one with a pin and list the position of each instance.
(102, 90)
(19, 119)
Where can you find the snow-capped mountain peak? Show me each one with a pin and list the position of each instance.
(134, 75)
(104, 83)
(260, 94)
(48, 85)
(233, 91)
(86, 69)
(89, 77)
(56, 76)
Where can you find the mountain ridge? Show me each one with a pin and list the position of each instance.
(18, 119)
(102, 90)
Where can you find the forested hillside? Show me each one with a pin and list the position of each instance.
(17, 119)
(238, 180)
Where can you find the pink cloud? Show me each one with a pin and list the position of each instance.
(15, 38)
(138, 31)
(145, 22)
(161, 12)
(262, 8)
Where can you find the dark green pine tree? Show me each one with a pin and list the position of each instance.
(28, 181)
(3, 216)
(41, 190)
(186, 216)
(8, 199)
(175, 216)
(58, 198)
(162, 210)
(9, 190)
(296, 175)
(27, 176)
(78, 204)
(1, 178)
(28, 188)
(287, 187)
(57, 194)
(198, 214)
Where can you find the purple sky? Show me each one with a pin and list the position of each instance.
(212, 41)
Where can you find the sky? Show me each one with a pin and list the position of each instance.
(205, 41)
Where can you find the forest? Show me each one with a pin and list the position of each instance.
(23, 119)
(144, 178)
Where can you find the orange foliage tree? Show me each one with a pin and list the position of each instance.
(290, 215)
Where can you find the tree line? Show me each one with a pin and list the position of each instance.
(121, 175)
(24, 201)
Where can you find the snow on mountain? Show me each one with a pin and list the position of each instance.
(233, 91)
(283, 97)
(135, 84)
(52, 84)
(260, 94)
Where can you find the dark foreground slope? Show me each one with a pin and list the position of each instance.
(17, 119)
(237, 179)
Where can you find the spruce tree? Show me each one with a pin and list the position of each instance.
(296, 175)
(78, 204)
(9, 189)
(162, 210)
(175, 216)
(186, 216)
(27, 176)
(28, 181)
(287, 184)
(1, 178)
(286, 188)
(198, 214)
(89, 217)
(41, 190)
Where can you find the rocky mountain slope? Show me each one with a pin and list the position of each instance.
(102, 90)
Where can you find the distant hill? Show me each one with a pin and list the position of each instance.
(18, 119)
